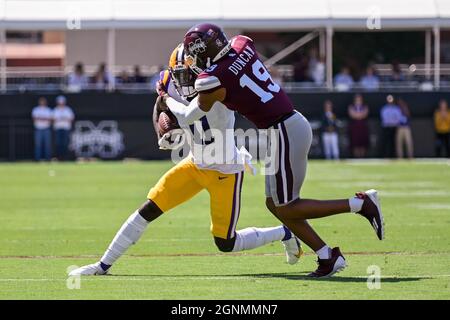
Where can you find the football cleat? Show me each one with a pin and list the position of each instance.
(328, 267)
(293, 249)
(89, 270)
(371, 210)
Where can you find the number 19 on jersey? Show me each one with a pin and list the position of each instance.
(260, 72)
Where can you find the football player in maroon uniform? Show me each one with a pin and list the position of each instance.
(231, 72)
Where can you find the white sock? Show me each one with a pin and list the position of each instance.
(355, 204)
(129, 234)
(250, 238)
(324, 252)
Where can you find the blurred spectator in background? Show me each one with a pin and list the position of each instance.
(313, 58)
(403, 135)
(77, 80)
(370, 80)
(343, 81)
(359, 127)
(317, 72)
(137, 76)
(397, 74)
(102, 78)
(313, 61)
(442, 128)
(124, 78)
(390, 119)
(62, 123)
(329, 132)
(42, 119)
(301, 69)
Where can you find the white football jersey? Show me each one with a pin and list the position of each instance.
(211, 138)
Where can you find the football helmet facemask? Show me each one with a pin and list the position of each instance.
(182, 76)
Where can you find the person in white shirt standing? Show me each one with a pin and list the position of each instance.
(391, 115)
(77, 81)
(42, 119)
(62, 124)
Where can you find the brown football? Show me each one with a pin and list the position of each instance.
(167, 122)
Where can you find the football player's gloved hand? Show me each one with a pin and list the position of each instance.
(245, 158)
(161, 104)
(171, 140)
(160, 88)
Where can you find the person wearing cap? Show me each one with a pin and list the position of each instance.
(62, 124)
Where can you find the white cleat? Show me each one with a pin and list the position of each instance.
(89, 270)
(293, 249)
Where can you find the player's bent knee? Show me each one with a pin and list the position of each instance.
(292, 210)
(224, 245)
(283, 212)
(150, 211)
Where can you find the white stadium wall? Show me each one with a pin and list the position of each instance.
(89, 46)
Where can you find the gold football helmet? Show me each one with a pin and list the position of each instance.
(182, 76)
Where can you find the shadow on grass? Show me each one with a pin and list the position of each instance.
(288, 276)
(336, 278)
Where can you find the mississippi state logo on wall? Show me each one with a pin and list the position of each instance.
(103, 140)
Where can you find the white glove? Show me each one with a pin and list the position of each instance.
(246, 158)
(172, 140)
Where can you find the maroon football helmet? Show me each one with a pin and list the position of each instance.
(205, 44)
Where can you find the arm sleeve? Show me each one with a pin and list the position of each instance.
(206, 83)
(185, 115)
(155, 121)
(164, 78)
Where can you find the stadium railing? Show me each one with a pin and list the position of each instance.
(52, 79)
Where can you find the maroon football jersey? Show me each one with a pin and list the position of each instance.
(250, 89)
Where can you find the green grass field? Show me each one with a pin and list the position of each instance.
(53, 216)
